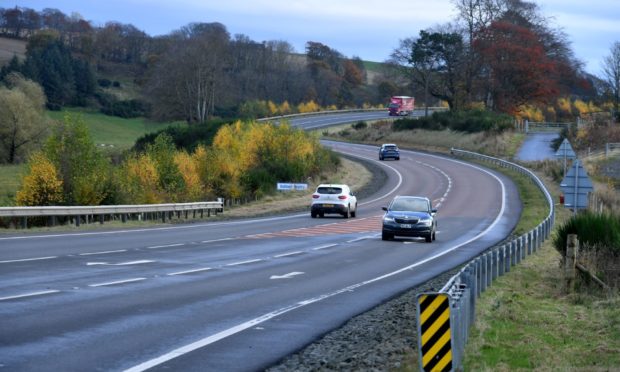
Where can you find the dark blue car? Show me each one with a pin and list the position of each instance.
(389, 150)
(409, 216)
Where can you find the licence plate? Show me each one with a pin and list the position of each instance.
(405, 226)
(328, 205)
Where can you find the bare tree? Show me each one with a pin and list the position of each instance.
(611, 72)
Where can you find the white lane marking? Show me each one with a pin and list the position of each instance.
(190, 271)
(324, 247)
(216, 240)
(358, 239)
(117, 282)
(263, 318)
(244, 262)
(287, 276)
(29, 295)
(29, 259)
(104, 252)
(289, 254)
(138, 262)
(165, 246)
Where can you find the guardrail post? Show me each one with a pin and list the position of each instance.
(502, 259)
(529, 243)
(513, 252)
(489, 269)
(507, 258)
(77, 220)
(522, 243)
(517, 250)
(494, 265)
(24, 222)
(478, 276)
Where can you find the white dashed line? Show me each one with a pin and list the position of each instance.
(139, 262)
(324, 247)
(216, 240)
(29, 295)
(289, 254)
(190, 271)
(245, 262)
(165, 246)
(29, 259)
(117, 282)
(104, 252)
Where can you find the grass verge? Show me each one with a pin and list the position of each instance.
(10, 178)
(525, 320)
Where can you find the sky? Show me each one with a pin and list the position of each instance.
(369, 29)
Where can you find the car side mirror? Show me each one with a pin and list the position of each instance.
(433, 211)
(384, 208)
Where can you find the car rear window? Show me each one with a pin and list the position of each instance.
(390, 147)
(329, 190)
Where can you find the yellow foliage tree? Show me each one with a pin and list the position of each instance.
(272, 108)
(139, 179)
(42, 185)
(308, 107)
(285, 108)
(189, 171)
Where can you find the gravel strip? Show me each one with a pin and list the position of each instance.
(378, 340)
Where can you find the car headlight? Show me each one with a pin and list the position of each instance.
(426, 221)
(388, 219)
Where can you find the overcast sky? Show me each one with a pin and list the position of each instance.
(369, 29)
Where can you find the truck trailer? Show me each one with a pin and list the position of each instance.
(401, 105)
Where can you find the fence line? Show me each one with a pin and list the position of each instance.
(466, 286)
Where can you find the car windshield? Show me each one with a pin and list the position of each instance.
(410, 205)
(393, 105)
(329, 190)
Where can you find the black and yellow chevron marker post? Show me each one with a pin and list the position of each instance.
(434, 332)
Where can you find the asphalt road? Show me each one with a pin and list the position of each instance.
(537, 146)
(237, 295)
(327, 120)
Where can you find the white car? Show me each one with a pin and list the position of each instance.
(330, 198)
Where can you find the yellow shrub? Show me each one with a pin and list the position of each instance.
(581, 106)
(189, 171)
(272, 108)
(308, 107)
(564, 106)
(331, 108)
(41, 186)
(284, 108)
(140, 180)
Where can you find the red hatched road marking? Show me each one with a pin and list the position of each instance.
(356, 225)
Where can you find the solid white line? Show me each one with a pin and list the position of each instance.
(189, 271)
(358, 239)
(324, 247)
(30, 259)
(29, 295)
(104, 252)
(244, 262)
(117, 282)
(166, 246)
(288, 254)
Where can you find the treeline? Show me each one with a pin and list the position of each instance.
(497, 54)
(197, 72)
(245, 160)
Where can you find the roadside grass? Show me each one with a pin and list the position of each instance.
(10, 178)
(112, 131)
(525, 319)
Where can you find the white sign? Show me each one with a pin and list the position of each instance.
(292, 186)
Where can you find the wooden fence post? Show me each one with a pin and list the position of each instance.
(570, 261)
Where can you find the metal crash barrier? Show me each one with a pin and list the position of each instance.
(445, 317)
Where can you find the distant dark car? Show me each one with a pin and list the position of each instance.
(389, 150)
(409, 216)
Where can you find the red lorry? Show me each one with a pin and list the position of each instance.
(401, 105)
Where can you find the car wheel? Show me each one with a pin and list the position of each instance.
(313, 214)
(321, 215)
(434, 235)
(347, 213)
(354, 211)
(429, 238)
(397, 158)
(380, 158)
(386, 236)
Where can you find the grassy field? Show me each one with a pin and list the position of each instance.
(112, 131)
